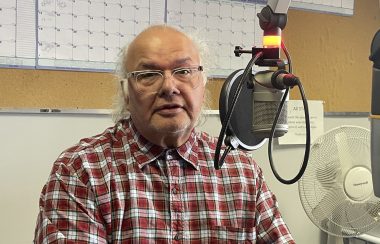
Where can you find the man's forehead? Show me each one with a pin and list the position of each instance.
(156, 45)
(165, 38)
(150, 64)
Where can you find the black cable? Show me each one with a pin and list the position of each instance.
(307, 147)
(307, 121)
(225, 153)
(248, 70)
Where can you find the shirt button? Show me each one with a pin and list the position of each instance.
(178, 236)
(174, 191)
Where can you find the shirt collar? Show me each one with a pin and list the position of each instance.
(146, 152)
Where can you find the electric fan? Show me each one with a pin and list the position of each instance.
(336, 188)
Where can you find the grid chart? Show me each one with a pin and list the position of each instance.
(89, 34)
(17, 33)
(222, 25)
(343, 7)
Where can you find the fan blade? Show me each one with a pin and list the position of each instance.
(349, 219)
(328, 174)
(344, 154)
(360, 217)
(323, 209)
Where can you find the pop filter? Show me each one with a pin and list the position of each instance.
(240, 126)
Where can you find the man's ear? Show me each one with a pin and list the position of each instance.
(125, 95)
(126, 100)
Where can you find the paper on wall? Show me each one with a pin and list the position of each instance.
(296, 122)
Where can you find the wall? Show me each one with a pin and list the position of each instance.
(330, 55)
(329, 52)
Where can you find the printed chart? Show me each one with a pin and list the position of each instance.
(17, 33)
(89, 34)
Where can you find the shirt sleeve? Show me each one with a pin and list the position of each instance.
(67, 210)
(271, 228)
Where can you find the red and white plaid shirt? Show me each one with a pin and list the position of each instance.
(117, 187)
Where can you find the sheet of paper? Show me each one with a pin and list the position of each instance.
(296, 122)
(74, 32)
(222, 24)
(217, 21)
(200, 8)
(18, 32)
(7, 47)
(343, 7)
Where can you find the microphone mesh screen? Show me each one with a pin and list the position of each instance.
(264, 114)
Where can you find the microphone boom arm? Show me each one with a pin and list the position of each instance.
(272, 19)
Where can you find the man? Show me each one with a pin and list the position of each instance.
(150, 178)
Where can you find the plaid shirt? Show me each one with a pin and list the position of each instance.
(117, 187)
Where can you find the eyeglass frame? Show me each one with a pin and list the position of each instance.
(134, 74)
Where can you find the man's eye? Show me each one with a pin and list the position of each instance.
(183, 72)
(148, 76)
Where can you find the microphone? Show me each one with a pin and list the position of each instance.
(256, 108)
(375, 113)
(268, 92)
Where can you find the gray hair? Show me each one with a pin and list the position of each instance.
(120, 110)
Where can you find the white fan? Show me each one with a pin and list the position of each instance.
(336, 188)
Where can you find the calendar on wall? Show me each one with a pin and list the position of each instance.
(17, 33)
(223, 25)
(89, 34)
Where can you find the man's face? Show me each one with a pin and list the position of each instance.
(172, 109)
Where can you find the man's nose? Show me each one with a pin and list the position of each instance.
(169, 84)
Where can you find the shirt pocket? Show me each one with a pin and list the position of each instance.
(229, 234)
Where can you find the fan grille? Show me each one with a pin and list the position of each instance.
(322, 190)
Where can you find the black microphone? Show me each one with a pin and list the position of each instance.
(255, 110)
(375, 114)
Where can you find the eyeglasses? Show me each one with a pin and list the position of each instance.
(151, 80)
